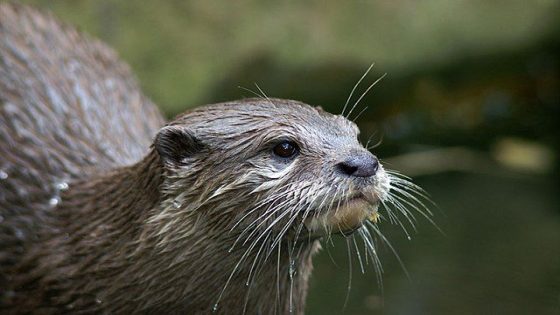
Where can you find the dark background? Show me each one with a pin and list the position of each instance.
(470, 108)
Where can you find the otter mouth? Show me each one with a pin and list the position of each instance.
(344, 218)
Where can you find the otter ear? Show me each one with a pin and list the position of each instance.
(174, 144)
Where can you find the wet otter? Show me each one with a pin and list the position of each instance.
(106, 210)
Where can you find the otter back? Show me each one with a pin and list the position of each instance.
(68, 108)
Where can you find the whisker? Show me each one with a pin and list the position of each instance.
(285, 228)
(386, 241)
(358, 253)
(251, 91)
(256, 257)
(236, 267)
(291, 272)
(349, 287)
(425, 215)
(414, 202)
(372, 252)
(407, 189)
(263, 202)
(398, 220)
(360, 113)
(364, 94)
(255, 229)
(368, 147)
(262, 92)
(278, 275)
(403, 210)
(257, 261)
(306, 213)
(354, 89)
(269, 213)
(329, 229)
(413, 189)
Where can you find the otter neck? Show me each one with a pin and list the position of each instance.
(118, 200)
(127, 263)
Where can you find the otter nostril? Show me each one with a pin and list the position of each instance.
(361, 165)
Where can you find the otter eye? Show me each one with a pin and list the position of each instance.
(285, 149)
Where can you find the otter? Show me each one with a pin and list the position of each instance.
(105, 208)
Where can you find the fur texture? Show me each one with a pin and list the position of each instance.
(103, 211)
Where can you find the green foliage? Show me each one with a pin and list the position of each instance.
(179, 49)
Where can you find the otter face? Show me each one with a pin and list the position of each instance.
(343, 182)
(274, 166)
(356, 185)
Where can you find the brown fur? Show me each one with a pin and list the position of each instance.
(103, 211)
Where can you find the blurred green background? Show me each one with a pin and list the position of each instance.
(470, 107)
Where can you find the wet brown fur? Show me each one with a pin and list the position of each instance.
(103, 211)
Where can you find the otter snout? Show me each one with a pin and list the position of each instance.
(362, 164)
(357, 199)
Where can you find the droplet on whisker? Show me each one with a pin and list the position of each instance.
(292, 268)
(62, 186)
(54, 201)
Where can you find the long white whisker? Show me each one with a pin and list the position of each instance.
(269, 200)
(359, 255)
(386, 241)
(355, 87)
(349, 287)
(269, 213)
(372, 252)
(360, 113)
(397, 219)
(364, 94)
(242, 259)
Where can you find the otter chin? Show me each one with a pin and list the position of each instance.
(345, 218)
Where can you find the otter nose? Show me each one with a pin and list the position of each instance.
(360, 165)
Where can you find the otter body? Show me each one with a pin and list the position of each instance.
(103, 209)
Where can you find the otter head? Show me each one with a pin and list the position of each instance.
(268, 168)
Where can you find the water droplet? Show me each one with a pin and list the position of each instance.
(176, 204)
(54, 201)
(3, 175)
(409, 238)
(215, 308)
(62, 186)
(292, 268)
(98, 301)
(19, 234)
(70, 306)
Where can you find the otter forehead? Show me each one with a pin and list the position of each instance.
(267, 118)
